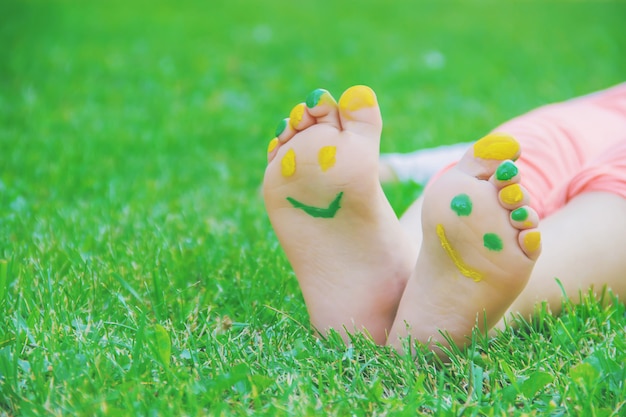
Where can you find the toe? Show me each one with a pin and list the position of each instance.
(359, 111)
(322, 106)
(299, 117)
(284, 131)
(507, 173)
(513, 196)
(272, 148)
(524, 217)
(530, 242)
(482, 159)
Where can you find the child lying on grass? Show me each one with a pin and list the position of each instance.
(467, 252)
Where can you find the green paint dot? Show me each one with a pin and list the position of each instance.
(520, 214)
(462, 205)
(492, 242)
(281, 127)
(314, 97)
(506, 171)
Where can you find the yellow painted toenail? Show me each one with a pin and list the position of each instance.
(511, 194)
(532, 241)
(288, 163)
(498, 146)
(326, 157)
(456, 258)
(357, 97)
(272, 145)
(295, 117)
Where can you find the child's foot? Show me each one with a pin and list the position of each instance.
(326, 205)
(479, 248)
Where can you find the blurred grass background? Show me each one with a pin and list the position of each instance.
(132, 147)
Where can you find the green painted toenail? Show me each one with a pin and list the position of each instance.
(520, 214)
(314, 97)
(281, 127)
(492, 242)
(462, 205)
(506, 171)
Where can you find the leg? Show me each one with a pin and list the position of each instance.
(350, 254)
(584, 141)
(480, 245)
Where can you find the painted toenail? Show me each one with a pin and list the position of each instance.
(326, 157)
(499, 146)
(295, 117)
(506, 171)
(357, 97)
(520, 214)
(532, 241)
(492, 242)
(511, 194)
(456, 258)
(288, 163)
(315, 97)
(272, 145)
(281, 127)
(461, 205)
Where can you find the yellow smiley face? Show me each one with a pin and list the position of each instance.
(326, 158)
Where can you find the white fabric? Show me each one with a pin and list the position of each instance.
(419, 166)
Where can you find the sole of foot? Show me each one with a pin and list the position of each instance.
(480, 244)
(324, 200)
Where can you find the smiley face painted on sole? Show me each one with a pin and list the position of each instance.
(318, 127)
(522, 217)
(326, 159)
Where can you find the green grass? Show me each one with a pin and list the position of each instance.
(139, 274)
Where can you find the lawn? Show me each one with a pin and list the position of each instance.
(139, 274)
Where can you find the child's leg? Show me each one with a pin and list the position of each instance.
(583, 192)
(350, 254)
(479, 246)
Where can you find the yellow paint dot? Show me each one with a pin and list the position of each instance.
(498, 146)
(272, 145)
(456, 258)
(288, 163)
(527, 224)
(532, 241)
(295, 117)
(326, 98)
(357, 97)
(326, 157)
(511, 194)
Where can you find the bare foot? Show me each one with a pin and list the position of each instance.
(479, 248)
(325, 202)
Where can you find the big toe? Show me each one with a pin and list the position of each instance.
(359, 112)
(484, 157)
